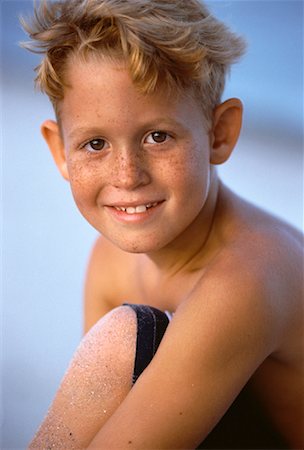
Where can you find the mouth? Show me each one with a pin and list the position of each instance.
(136, 209)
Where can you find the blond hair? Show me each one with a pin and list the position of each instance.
(174, 43)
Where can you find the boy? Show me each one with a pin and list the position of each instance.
(136, 86)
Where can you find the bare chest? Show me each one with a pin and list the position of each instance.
(165, 295)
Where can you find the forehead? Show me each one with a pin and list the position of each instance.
(101, 88)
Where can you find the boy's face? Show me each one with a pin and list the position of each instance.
(138, 164)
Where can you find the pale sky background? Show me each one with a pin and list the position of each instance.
(45, 240)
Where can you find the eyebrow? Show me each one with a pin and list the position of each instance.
(166, 121)
(159, 122)
(83, 130)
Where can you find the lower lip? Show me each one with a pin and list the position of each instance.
(136, 218)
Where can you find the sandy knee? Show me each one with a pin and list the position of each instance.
(103, 364)
(97, 380)
(111, 342)
(117, 328)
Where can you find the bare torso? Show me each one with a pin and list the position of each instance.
(266, 246)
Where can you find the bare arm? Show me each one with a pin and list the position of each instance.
(96, 382)
(214, 344)
(217, 339)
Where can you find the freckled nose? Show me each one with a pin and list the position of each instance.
(128, 171)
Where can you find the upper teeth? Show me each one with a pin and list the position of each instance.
(135, 209)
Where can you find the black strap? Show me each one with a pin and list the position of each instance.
(151, 326)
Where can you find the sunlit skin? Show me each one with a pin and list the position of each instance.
(123, 148)
(231, 273)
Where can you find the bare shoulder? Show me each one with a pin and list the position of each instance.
(261, 269)
(266, 246)
(106, 281)
(261, 260)
(246, 312)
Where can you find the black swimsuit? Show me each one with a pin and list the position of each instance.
(245, 424)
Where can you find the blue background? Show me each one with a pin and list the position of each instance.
(45, 240)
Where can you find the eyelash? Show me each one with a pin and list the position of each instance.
(100, 140)
(159, 132)
(92, 149)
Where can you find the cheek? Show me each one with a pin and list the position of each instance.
(83, 182)
(190, 171)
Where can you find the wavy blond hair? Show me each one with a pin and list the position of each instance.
(174, 43)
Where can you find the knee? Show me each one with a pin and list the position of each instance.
(118, 324)
(111, 341)
(100, 373)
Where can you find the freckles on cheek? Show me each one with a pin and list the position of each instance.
(191, 163)
(81, 171)
(82, 182)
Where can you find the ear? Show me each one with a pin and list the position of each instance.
(51, 133)
(227, 123)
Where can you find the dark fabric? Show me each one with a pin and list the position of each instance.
(244, 426)
(151, 326)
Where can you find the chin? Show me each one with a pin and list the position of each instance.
(134, 247)
(138, 245)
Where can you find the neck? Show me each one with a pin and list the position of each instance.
(189, 251)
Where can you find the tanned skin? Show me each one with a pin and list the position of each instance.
(231, 273)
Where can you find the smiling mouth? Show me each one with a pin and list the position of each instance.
(136, 209)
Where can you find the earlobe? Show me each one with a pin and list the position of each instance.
(51, 133)
(227, 123)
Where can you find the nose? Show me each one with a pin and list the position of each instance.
(129, 170)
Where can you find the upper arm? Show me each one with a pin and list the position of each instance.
(215, 342)
(97, 301)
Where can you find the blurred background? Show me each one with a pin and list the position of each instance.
(46, 242)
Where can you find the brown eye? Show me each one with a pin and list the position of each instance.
(95, 145)
(157, 137)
